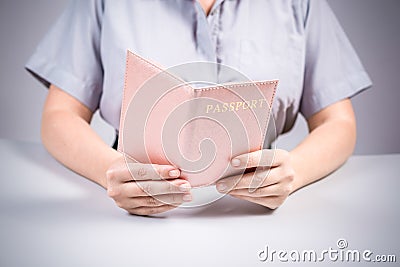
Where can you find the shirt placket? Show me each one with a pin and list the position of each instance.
(214, 22)
(208, 32)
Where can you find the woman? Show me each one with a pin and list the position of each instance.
(82, 60)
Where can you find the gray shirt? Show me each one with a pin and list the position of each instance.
(299, 42)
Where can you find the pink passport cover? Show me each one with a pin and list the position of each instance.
(164, 120)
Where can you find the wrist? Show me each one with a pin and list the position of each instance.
(298, 181)
(113, 157)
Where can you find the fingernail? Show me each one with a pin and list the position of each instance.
(174, 173)
(221, 187)
(184, 188)
(187, 197)
(235, 162)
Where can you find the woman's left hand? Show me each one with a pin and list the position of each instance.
(271, 182)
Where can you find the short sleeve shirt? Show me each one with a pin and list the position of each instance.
(299, 42)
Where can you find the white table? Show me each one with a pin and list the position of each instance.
(50, 216)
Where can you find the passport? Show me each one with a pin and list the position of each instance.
(166, 119)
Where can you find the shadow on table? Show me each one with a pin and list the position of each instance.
(225, 207)
(76, 211)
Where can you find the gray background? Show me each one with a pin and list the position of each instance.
(372, 26)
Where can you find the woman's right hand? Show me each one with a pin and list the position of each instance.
(145, 189)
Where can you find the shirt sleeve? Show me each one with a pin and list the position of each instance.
(333, 70)
(69, 55)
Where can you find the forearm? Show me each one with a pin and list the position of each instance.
(326, 148)
(70, 139)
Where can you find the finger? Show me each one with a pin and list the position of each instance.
(265, 177)
(266, 191)
(143, 211)
(264, 157)
(142, 172)
(126, 172)
(272, 202)
(156, 201)
(136, 189)
(245, 181)
(154, 188)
